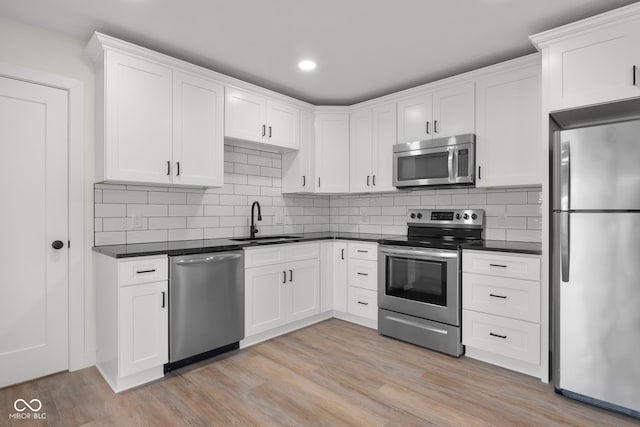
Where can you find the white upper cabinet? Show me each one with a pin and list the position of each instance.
(158, 121)
(137, 120)
(593, 61)
(260, 122)
(441, 113)
(373, 134)
(414, 118)
(298, 175)
(508, 108)
(198, 137)
(332, 152)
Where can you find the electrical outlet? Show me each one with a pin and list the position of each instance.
(136, 221)
(502, 219)
(278, 219)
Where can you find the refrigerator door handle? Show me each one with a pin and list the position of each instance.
(564, 245)
(565, 175)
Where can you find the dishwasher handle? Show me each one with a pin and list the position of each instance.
(209, 259)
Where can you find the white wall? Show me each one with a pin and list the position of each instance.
(51, 52)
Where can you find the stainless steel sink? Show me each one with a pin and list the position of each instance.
(266, 238)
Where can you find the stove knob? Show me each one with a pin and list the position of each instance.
(474, 216)
(419, 215)
(412, 216)
(457, 216)
(466, 216)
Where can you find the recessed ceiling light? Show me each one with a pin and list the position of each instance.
(307, 65)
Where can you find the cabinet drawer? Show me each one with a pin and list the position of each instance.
(511, 338)
(363, 303)
(502, 296)
(363, 251)
(499, 264)
(143, 270)
(280, 253)
(363, 274)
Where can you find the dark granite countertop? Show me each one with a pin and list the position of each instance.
(505, 246)
(188, 247)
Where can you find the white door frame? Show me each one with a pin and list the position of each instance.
(77, 357)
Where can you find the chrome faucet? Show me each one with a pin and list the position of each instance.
(254, 229)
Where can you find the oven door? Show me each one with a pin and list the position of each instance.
(420, 282)
(447, 165)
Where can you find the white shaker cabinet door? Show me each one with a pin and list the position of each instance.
(143, 327)
(304, 289)
(245, 116)
(384, 138)
(339, 276)
(283, 125)
(508, 150)
(265, 289)
(595, 67)
(454, 111)
(332, 152)
(198, 135)
(415, 118)
(138, 118)
(360, 151)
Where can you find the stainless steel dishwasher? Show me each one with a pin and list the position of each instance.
(206, 306)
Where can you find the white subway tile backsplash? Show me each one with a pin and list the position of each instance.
(172, 213)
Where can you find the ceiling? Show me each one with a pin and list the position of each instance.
(364, 48)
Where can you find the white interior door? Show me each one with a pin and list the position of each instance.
(33, 190)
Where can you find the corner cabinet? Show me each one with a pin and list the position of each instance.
(332, 152)
(444, 112)
(508, 112)
(158, 120)
(132, 320)
(259, 122)
(373, 135)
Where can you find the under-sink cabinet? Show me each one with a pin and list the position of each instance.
(502, 310)
(159, 120)
(282, 286)
(132, 335)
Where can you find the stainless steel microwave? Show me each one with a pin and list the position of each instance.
(441, 162)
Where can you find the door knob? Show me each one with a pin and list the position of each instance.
(57, 244)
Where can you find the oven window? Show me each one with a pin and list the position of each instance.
(417, 280)
(423, 166)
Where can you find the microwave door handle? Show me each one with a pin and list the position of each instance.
(451, 150)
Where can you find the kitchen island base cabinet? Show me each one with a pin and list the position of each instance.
(282, 292)
(132, 319)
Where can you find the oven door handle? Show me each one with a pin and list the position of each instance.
(431, 254)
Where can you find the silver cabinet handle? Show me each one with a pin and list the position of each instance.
(498, 296)
(284, 277)
(498, 265)
(479, 172)
(146, 271)
(342, 255)
(168, 167)
(269, 131)
(291, 275)
(504, 337)
(374, 180)
(435, 126)
(177, 168)
(565, 252)
(634, 74)
(367, 180)
(264, 130)
(304, 180)
(427, 128)
(363, 303)
(163, 300)
(362, 274)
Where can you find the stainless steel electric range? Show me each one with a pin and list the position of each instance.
(419, 278)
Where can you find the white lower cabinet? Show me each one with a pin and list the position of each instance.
(333, 276)
(132, 322)
(284, 292)
(362, 281)
(502, 316)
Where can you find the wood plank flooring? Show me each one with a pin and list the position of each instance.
(330, 374)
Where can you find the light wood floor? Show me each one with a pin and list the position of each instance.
(332, 374)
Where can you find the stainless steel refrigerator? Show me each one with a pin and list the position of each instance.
(595, 268)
